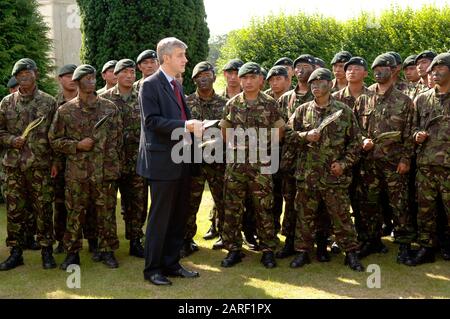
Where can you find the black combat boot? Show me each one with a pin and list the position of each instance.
(211, 233)
(71, 258)
(322, 254)
(250, 241)
(15, 259)
(60, 248)
(109, 259)
(404, 251)
(335, 249)
(268, 259)
(48, 262)
(219, 244)
(232, 259)
(31, 243)
(424, 255)
(300, 260)
(287, 250)
(352, 260)
(136, 248)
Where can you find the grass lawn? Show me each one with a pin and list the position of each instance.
(248, 279)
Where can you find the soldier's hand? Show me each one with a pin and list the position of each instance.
(313, 136)
(336, 169)
(195, 126)
(368, 144)
(54, 171)
(86, 144)
(18, 142)
(402, 168)
(421, 137)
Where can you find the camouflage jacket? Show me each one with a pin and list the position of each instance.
(345, 97)
(416, 89)
(335, 87)
(201, 109)
(60, 99)
(131, 121)
(137, 85)
(72, 123)
(16, 112)
(225, 94)
(436, 148)
(290, 100)
(339, 142)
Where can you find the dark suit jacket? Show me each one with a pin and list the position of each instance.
(160, 115)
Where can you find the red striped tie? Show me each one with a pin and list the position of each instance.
(180, 100)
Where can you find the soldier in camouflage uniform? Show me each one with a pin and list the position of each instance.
(108, 76)
(411, 76)
(386, 161)
(205, 104)
(88, 131)
(28, 164)
(323, 169)
(422, 62)
(303, 66)
(399, 83)
(432, 135)
(250, 109)
(337, 64)
(288, 64)
(148, 63)
(133, 188)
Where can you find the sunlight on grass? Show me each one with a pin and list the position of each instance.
(207, 268)
(59, 294)
(434, 276)
(348, 281)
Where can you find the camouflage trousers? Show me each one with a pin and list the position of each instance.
(432, 181)
(277, 207)
(214, 174)
(336, 205)
(290, 214)
(134, 204)
(378, 176)
(29, 192)
(243, 180)
(85, 198)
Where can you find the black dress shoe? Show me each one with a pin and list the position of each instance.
(352, 260)
(71, 258)
(424, 255)
(159, 280)
(268, 259)
(219, 244)
(211, 233)
(136, 248)
(15, 259)
(109, 259)
(287, 250)
(232, 259)
(48, 261)
(181, 272)
(60, 248)
(300, 260)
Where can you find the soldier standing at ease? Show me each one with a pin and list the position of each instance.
(133, 188)
(28, 163)
(108, 76)
(88, 131)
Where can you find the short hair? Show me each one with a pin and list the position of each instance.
(166, 46)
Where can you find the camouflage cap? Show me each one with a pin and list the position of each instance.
(409, 61)
(108, 65)
(67, 69)
(427, 54)
(233, 65)
(356, 60)
(320, 74)
(284, 62)
(123, 64)
(202, 67)
(384, 59)
(305, 58)
(440, 59)
(277, 70)
(82, 71)
(147, 54)
(23, 64)
(12, 83)
(249, 68)
(397, 57)
(341, 57)
(319, 62)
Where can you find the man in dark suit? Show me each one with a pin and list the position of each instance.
(164, 112)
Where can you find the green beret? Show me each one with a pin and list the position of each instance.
(277, 70)
(233, 65)
(82, 71)
(440, 59)
(67, 69)
(427, 54)
(305, 58)
(319, 62)
(147, 54)
(356, 61)
(249, 68)
(397, 57)
(202, 67)
(123, 64)
(411, 60)
(12, 83)
(23, 64)
(284, 62)
(384, 59)
(263, 72)
(341, 57)
(320, 74)
(108, 65)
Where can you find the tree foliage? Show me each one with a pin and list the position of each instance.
(24, 35)
(117, 29)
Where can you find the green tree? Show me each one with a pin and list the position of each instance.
(24, 35)
(117, 29)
